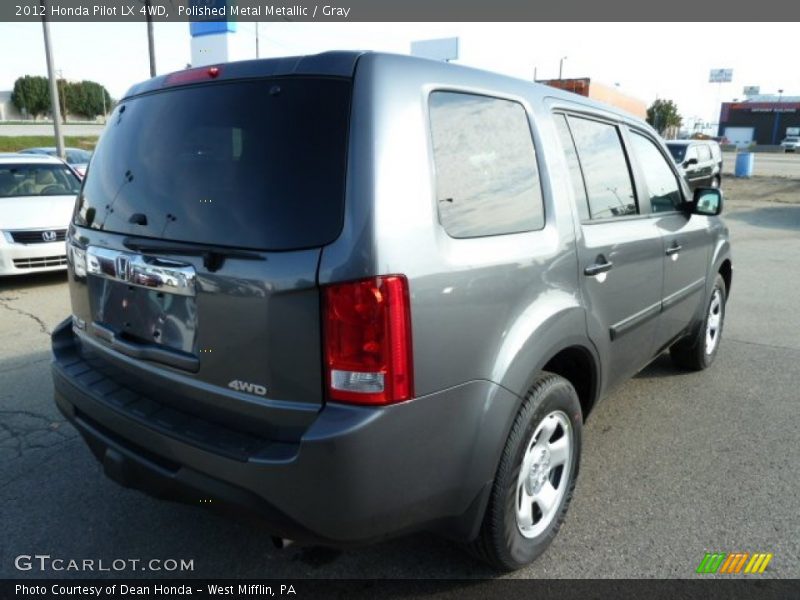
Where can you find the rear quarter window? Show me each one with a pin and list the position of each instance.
(487, 179)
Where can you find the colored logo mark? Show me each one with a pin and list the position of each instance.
(734, 563)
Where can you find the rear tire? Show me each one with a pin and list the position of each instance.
(699, 351)
(525, 512)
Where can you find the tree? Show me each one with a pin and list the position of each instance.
(663, 114)
(31, 95)
(86, 98)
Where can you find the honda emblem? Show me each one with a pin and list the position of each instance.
(49, 236)
(122, 266)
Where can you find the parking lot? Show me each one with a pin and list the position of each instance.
(674, 464)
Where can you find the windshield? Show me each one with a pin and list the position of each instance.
(678, 151)
(78, 157)
(37, 180)
(252, 164)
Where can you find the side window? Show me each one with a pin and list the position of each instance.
(487, 181)
(663, 186)
(704, 153)
(573, 165)
(605, 168)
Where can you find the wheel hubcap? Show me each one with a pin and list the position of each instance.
(544, 474)
(714, 322)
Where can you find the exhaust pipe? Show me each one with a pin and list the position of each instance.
(281, 543)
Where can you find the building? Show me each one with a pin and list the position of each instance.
(8, 112)
(602, 93)
(762, 120)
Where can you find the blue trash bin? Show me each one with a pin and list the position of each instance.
(744, 164)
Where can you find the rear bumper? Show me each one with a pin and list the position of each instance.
(358, 473)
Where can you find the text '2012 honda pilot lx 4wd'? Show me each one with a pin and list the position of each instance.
(366, 294)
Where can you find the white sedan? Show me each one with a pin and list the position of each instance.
(37, 196)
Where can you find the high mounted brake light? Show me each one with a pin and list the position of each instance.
(367, 329)
(192, 76)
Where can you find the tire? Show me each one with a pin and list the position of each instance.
(507, 541)
(699, 351)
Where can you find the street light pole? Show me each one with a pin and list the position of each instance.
(150, 41)
(561, 66)
(51, 72)
(62, 93)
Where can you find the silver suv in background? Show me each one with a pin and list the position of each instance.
(700, 161)
(366, 294)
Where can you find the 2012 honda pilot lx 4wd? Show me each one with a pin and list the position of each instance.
(366, 294)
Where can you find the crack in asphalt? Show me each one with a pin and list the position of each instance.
(17, 426)
(763, 345)
(44, 459)
(4, 302)
(25, 365)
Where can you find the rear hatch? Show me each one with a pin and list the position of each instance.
(196, 242)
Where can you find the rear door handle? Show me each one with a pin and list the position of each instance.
(600, 266)
(674, 248)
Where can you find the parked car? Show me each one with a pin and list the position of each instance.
(77, 158)
(363, 308)
(700, 161)
(790, 143)
(37, 196)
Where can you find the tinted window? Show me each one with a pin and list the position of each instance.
(573, 165)
(662, 185)
(605, 168)
(37, 180)
(487, 181)
(678, 151)
(77, 157)
(253, 164)
(704, 153)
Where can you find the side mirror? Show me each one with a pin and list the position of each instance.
(690, 162)
(707, 202)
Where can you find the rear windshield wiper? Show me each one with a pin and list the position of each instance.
(213, 256)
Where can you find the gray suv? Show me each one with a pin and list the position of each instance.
(365, 294)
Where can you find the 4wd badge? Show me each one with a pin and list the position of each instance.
(248, 388)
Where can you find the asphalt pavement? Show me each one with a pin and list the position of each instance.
(674, 464)
(766, 164)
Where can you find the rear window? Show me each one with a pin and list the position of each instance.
(678, 151)
(253, 164)
(37, 180)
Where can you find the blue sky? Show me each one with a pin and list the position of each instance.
(668, 60)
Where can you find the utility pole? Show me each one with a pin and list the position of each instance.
(561, 66)
(150, 41)
(257, 54)
(51, 73)
(60, 81)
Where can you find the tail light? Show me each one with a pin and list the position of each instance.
(367, 329)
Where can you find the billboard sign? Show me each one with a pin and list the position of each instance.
(720, 76)
(445, 49)
(751, 90)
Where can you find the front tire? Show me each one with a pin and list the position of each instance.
(536, 477)
(697, 353)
